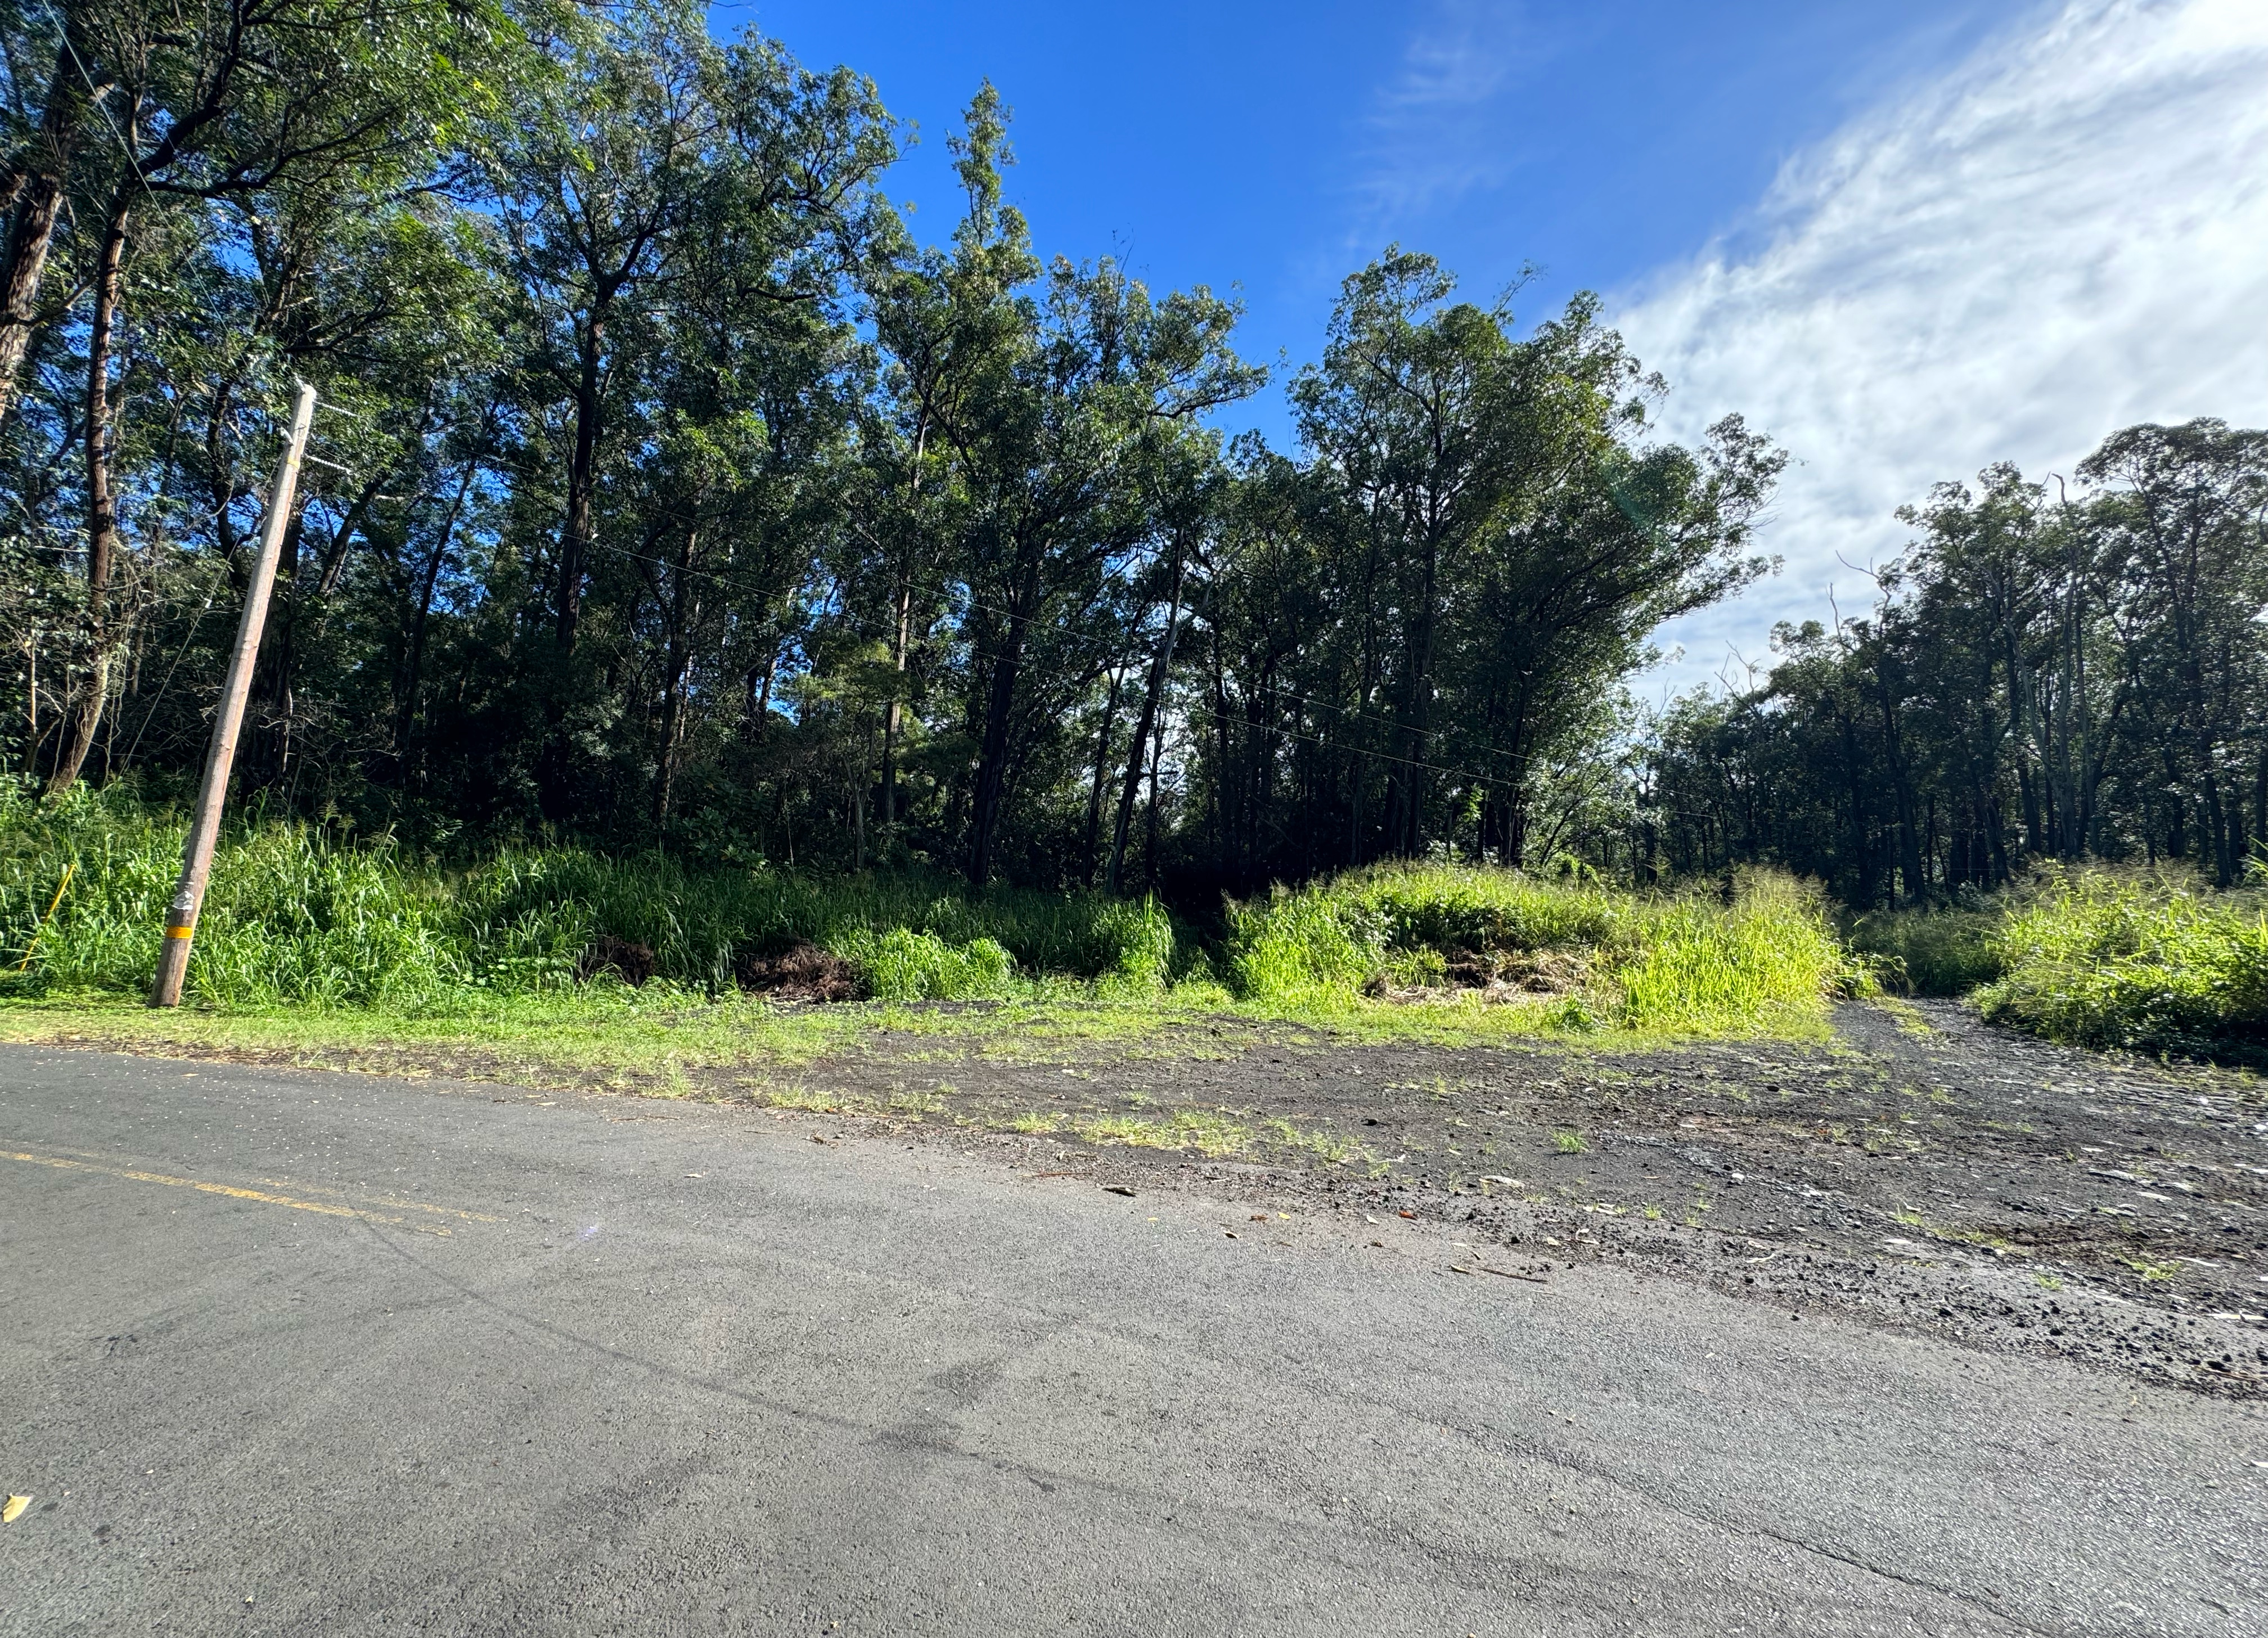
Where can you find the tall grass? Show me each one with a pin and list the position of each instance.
(1931, 952)
(1686, 961)
(2147, 960)
(297, 916)
(301, 917)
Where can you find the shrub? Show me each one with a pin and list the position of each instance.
(1307, 947)
(1678, 961)
(2144, 960)
(1698, 963)
(903, 965)
(1930, 952)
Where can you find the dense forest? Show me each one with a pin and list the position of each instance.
(2081, 675)
(670, 492)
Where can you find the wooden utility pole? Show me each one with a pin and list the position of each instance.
(205, 829)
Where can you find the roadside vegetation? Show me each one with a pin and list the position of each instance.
(299, 918)
(2148, 959)
(1943, 951)
(523, 942)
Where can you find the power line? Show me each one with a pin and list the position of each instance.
(94, 95)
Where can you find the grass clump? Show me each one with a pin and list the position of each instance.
(1930, 952)
(1698, 964)
(903, 966)
(2143, 960)
(1205, 1131)
(1669, 963)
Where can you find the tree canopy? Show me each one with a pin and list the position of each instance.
(670, 492)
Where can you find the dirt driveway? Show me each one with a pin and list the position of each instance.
(1921, 1170)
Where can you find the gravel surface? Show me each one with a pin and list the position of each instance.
(295, 1353)
(1921, 1170)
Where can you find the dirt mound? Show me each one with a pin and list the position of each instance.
(630, 962)
(803, 972)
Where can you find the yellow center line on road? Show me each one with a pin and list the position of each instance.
(385, 1200)
(322, 1207)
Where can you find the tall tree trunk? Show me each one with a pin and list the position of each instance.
(335, 551)
(101, 504)
(901, 648)
(989, 800)
(37, 197)
(582, 482)
(406, 721)
(993, 760)
(1862, 848)
(1411, 781)
(2217, 829)
(270, 751)
(555, 779)
(1902, 788)
(1143, 727)
(673, 699)
(1150, 816)
(1101, 773)
(894, 714)
(1233, 807)
(760, 693)
(2260, 806)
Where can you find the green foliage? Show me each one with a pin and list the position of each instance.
(1929, 952)
(2140, 960)
(1305, 948)
(1700, 964)
(2074, 673)
(1464, 909)
(1673, 962)
(1326, 941)
(295, 915)
(903, 965)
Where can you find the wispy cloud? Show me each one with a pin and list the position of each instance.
(2066, 235)
(1432, 136)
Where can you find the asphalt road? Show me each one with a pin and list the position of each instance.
(317, 1354)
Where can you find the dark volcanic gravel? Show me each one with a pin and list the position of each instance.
(1922, 1170)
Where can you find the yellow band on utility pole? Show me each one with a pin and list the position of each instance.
(180, 933)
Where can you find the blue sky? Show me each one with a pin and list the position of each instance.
(1907, 239)
(1276, 147)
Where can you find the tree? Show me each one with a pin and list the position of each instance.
(226, 105)
(656, 157)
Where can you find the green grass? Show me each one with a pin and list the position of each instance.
(2144, 960)
(297, 917)
(319, 948)
(1676, 963)
(1929, 952)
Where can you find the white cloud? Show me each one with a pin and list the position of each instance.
(2066, 235)
(1430, 135)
